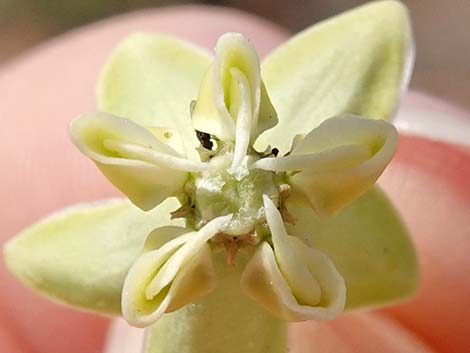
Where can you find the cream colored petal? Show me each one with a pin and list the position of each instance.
(190, 282)
(303, 284)
(184, 255)
(207, 115)
(263, 281)
(195, 280)
(241, 109)
(146, 154)
(175, 274)
(267, 117)
(338, 161)
(144, 168)
(169, 136)
(213, 110)
(137, 309)
(332, 283)
(331, 159)
(292, 281)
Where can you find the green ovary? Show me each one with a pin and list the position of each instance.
(217, 192)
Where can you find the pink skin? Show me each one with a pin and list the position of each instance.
(42, 91)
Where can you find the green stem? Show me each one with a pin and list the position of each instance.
(225, 321)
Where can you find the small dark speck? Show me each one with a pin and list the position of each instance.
(204, 139)
(275, 152)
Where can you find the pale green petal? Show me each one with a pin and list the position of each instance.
(369, 246)
(144, 168)
(337, 162)
(165, 279)
(81, 255)
(214, 112)
(152, 80)
(358, 62)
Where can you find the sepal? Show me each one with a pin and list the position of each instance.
(369, 245)
(358, 62)
(81, 255)
(151, 79)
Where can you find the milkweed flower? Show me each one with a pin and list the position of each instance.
(272, 166)
(330, 166)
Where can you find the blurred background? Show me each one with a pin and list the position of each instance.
(442, 30)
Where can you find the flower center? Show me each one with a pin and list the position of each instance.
(217, 192)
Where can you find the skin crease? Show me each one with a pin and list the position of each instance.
(42, 172)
